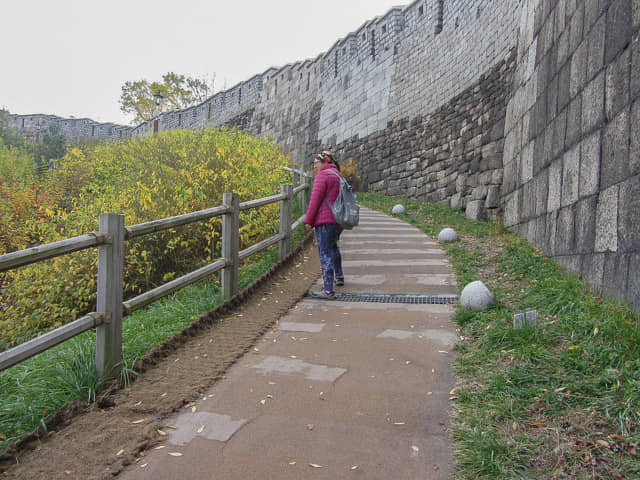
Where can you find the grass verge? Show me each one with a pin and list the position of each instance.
(33, 391)
(561, 400)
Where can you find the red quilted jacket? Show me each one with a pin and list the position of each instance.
(326, 184)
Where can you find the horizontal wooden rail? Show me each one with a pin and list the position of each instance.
(258, 247)
(151, 296)
(50, 250)
(18, 354)
(297, 223)
(261, 202)
(299, 188)
(172, 222)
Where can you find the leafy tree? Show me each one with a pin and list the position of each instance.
(178, 91)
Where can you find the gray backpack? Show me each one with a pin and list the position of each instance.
(346, 211)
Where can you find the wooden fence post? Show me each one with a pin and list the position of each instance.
(286, 214)
(230, 244)
(109, 299)
(306, 193)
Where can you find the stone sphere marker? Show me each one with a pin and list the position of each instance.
(447, 235)
(398, 210)
(476, 296)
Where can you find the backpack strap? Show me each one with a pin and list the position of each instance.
(340, 177)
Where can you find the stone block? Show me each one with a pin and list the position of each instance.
(541, 230)
(616, 275)
(617, 85)
(479, 192)
(571, 263)
(629, 215)
(590, 164)
(634, 148)
(559, 131)
(596, 39)
(635, 14)
(578, 75)
(592, 270)
(615, 151)
(527, 162)
(593, 104)
(555, 186)
(541, 192)
(619, 28)
(570, 176)
(585, 224)
(574, 121)
(565, 235)
(577, 21)
(635, 67)
(456, 201)
(526, 319)
(550, 233)
(493, 197)
(633, 284)
(607, 220)
(564, 86)
(475, 210)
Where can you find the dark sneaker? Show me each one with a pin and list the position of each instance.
(322, 295)
(340, 282)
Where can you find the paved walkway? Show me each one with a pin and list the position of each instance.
(336, 389)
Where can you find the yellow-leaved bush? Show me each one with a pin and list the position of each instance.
(145, 179)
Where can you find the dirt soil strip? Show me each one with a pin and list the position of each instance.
(98, 441)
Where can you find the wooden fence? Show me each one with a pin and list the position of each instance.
(110, 238)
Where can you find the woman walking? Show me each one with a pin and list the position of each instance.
(325, 185)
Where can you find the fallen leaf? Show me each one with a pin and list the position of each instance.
(139, 421)
(163, 395)
(193, 409)
(175, 454)
(139, 403)
(355, 467)
(67, 472)
(201, 429)
(263, 402)
(442, 351)
(172, 427)
(160, 447)
(161, 432)
(603, 443)
(144, 465)
(536, 424)
(310, 426)
(399, 423)
(315, 465)
(119, 453)
(3, 436)
(436, 467)
(292, 463)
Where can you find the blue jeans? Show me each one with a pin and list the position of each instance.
(327, 236)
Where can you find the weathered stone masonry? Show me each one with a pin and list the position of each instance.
(527, 110)
(572, 149)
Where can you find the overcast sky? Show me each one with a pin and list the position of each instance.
(71, 57)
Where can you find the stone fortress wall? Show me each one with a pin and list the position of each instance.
(524, 110)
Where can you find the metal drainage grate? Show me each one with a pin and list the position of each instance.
(396, 298)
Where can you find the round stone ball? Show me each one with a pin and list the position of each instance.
(398, 210)
(476, 296)
(447, 235)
